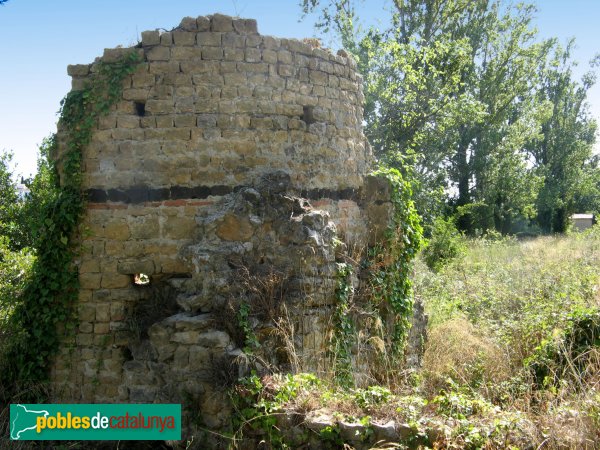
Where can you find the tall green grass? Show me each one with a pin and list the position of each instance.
(517, 324)
(517, 293)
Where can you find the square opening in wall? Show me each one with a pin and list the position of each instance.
(308, 115)
(140, 108)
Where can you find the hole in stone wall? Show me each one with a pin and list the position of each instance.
(140, 108)
(158, 301)
(127, 355)
(141, 279)
(308, 115)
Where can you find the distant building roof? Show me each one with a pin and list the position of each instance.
(22, 190)
(582, 216)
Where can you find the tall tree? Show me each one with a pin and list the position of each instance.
(9, 199)
(489, 164)
(450, 93)
(563, 155)
(414, 71)
(587, 197)
(21, 215)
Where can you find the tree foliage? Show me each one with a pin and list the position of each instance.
(563, 156)
(21, 213)
(8, 196)
(459, 95)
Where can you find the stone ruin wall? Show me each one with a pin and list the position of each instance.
(230, 157)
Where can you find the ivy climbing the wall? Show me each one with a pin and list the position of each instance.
(388, 294)
(44, 314)
(390, 261)
(344, 336)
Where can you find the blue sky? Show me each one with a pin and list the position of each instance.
(39, 38)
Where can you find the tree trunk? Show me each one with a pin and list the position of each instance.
(463, 175)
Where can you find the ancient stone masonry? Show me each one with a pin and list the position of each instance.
(227, 175)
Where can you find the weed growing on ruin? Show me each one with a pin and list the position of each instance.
(260, 402)
(45, 312)
(373, 395)
(512, 360)
(280, 411)
(258, 300)
(330, 436)
(243, 317)
(254, 411)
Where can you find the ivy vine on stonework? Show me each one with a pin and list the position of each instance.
(390, 261)
(45, 314)
(388, 264)
(344, 336)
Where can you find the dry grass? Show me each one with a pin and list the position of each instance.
(456, 350)
(489, 313)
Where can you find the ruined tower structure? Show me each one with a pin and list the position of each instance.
(222, 188)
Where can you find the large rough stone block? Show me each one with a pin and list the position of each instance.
(179, 228)
(220, 22)
(144, 227)
(233, 40)
(245, 26)
(203, 23)
(159, 54)
(233, 228)
(115, 281)
(213, 339)
(166, 39)
(90, 280)
(212, 53)
(208, 39)
(150, 37)
(189, 24)
(135, 266)
(117, 230)
(78, 70)
(184, 37)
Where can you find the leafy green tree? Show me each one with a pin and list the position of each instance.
(9, 198)
(15, 261)
(587, 196)
(15, 266)
(449, 96)
(563, 155)
(489, 164)
(43, 191)
(21, 214)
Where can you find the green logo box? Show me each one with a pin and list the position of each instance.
(95, 422)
